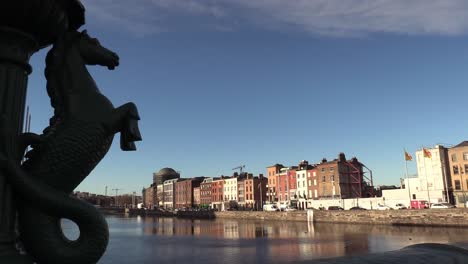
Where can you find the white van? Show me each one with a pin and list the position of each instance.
(270, 207)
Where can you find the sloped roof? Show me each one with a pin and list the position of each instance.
(462, 144)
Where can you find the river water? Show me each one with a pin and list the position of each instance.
(172, 240)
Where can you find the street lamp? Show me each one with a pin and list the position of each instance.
(462, 187)
(261, 194)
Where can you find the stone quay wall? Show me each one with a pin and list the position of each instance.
(429, 217)
(261, 215)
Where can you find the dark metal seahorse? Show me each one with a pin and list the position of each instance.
(79, 136)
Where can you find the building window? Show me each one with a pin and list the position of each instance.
(323, 169)
(315, 182)
(457, 185)
(332, 168)
(332, 178)
(455, 169)
(324, 179)
(454, 157)
(465, 155)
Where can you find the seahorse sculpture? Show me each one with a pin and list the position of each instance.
(78, 137)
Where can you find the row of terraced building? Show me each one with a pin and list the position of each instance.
(293, 186)
(170, 191)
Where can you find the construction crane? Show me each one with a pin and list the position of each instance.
(117, 191)
(116, 198)
(240, 168)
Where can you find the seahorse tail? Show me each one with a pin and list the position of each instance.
(41, 208)
(43, 238)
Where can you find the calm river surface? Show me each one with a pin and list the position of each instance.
(172, 240)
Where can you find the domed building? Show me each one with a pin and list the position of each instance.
(163, 175)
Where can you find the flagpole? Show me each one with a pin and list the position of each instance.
(407, 179)
(287, 187)
(425, 172)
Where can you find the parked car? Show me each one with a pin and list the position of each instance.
(419, 204)
(270, 207)
(356, 208)
(283, 206)
(442, 206)
(289, 209)
(383, 207)
(335, 208)
(399, 206)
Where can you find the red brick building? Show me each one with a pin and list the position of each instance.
(313, 184)
(205, 193)
(286, 186)
(184, 197)
(148, 197)
(341, 178)
(272, 190)
(255, 192)
(217, 200)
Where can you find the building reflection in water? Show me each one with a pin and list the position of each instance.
(230, 240)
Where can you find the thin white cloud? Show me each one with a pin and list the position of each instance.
(191, 6)
(325, 17)
(130, 16)
(354, 16)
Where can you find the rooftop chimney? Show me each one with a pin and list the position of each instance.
(341, 157)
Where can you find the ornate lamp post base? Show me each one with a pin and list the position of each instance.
(15, 49)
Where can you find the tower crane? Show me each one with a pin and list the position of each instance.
(240, 168)
(116, 198)
(117, 191)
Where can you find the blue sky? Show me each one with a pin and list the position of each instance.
(224, 83)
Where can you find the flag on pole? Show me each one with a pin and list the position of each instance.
(408, 157)
(427, 153)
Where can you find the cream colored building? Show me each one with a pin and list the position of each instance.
(433, 174)
(301, 188)
(169, 193)
(196, 197)
(160, 195)
(230, 189)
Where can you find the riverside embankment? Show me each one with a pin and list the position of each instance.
(431, 217)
